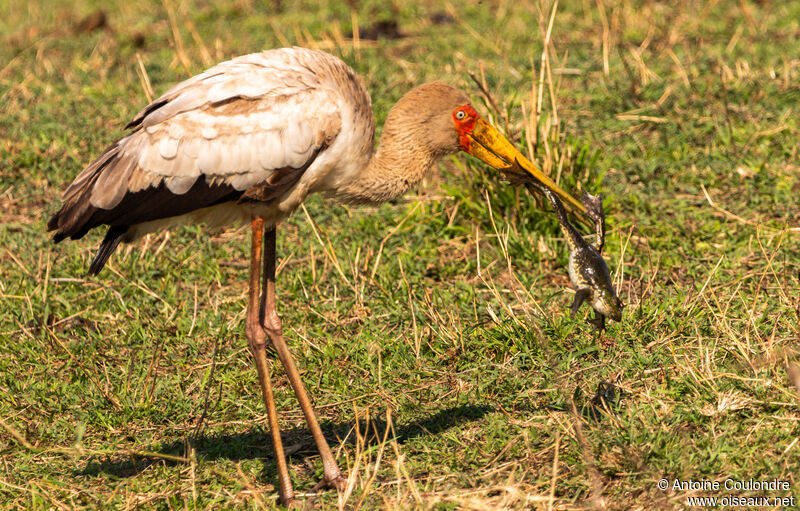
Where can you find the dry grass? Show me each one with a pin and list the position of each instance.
(432, 333)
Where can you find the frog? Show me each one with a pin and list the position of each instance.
(588, 271)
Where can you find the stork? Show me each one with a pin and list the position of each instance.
(247, 141)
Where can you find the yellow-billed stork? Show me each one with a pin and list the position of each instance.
(247, 141)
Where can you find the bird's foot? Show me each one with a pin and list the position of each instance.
(337, 482)
(296, 504)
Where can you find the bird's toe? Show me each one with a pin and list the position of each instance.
(337, 482)
(295, 504)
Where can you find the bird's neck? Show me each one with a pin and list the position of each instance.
(399, 163)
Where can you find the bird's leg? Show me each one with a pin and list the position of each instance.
(272, 325)
(258, 342)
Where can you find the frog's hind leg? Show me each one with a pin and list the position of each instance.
(580, 296)
(594, 209)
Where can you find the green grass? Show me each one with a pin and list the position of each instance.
(448, 324)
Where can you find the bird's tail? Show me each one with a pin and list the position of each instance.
(73, 219)
(107, 247)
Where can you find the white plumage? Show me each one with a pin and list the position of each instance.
(237, 124)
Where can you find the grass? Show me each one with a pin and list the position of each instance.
(433, 332)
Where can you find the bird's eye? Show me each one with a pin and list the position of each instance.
(460, 115)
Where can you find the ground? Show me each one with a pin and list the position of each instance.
(432, 332)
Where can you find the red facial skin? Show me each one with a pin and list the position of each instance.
(464, 126)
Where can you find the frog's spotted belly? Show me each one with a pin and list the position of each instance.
(576, 277)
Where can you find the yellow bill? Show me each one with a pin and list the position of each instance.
(488, 145)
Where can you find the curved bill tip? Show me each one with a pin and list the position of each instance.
(489, 146)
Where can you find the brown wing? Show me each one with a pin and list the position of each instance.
(247, 128)
(159, 202)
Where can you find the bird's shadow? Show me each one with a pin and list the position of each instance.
(297, 441)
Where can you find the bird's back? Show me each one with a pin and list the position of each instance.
(245, 132)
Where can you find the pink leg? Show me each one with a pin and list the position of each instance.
(258, 342)
(272, 325)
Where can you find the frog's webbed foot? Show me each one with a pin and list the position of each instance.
(516, 176)
(594, 206)
(599, 322)
(580, 296)
(594, 209)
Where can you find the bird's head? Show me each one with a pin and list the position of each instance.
(440, 118)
